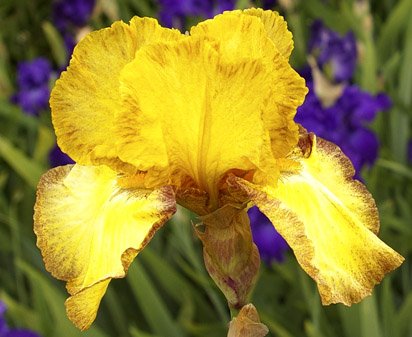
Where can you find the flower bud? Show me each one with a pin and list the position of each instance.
(231, 257)
(247, 324)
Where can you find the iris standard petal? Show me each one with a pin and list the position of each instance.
(330, 221)
(189, 113)
(86, 99)
(263, 34)
(89, 229)
(255, 22)
(276, 29)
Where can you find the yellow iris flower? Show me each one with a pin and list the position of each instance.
(154, 117)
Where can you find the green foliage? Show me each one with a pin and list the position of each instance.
(167, 291)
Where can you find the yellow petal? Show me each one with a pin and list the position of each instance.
(82, 307)
(276, 29)
(239, 35)
(191, 113)
(267, 27)
(330, 221)
(86, 98)
(89, 229)
(263, 34)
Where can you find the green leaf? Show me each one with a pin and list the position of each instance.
(404, 318)
(135, 332)
(45, 142)
(207, 329)
(311, 330)
(14, 115)
(54, 301)
(405, 74)
(242, 4)
(275, 327)
(56, 43)
(399, 126)
(350, 318)
(369, 66)
(183, 242)
(168, 277)
(327, 14)
(173, 283)
(369, 320)
(390, 67)
(5, 83)
(307, 287)
(399, 224)
(142, 7)
(28, 169)
(295, 23)
(395, 167)
(150, 301)
(388, 308)
(20, 313)
(116, 310)
(394, 26)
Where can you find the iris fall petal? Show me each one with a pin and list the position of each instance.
(89, 229)
(330, 221)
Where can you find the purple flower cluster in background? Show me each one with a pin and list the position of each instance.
(272, 246)
(5, 331)
(70, 15)
(33, 96)
(335, 55)
(58, 158)
(33, 76)
(174, 13)
(33, 85)
(345, 121)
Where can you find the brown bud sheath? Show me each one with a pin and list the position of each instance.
(247, 324)
(231, 257)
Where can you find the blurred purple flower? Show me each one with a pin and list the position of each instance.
(333, 53)
(33, 73)
(33, 85)
(5, 331)
(58, 158)
(174, 13)
(272, 246)
(33, 96)
(345, 122)
(67, 14)
(3, 325)
(410, 152)
(268, 4)
(69, 43)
